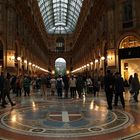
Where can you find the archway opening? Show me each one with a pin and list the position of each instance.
(129, 56)
(60, 66)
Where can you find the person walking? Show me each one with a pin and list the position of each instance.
(96, 86)
(19, 84)
(26, 85)
(66, 85)
(89, 84)
(119, 89)
(130, 88)
(43, 85)
(72, 84)
(109, 85)
(59, 86)
(79, 85)
(53, 85)
(6, 91)
(135, 87)
(130, 80)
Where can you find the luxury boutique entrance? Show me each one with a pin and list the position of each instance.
(129, 56)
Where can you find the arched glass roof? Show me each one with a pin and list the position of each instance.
(60, 16)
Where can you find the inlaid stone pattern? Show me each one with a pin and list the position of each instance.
(67, 120)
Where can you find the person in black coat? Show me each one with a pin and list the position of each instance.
(66, 85)
(135, 86)
(119, 89)
(109, 85)
(6, 91)
(80, 85)
(59, 86)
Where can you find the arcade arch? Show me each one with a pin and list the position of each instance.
(129, 56)
(60, 66)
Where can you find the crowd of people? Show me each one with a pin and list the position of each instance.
(61, 86)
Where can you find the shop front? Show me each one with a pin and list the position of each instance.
(129, 56)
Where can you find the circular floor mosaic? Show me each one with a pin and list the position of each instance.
(64, 121)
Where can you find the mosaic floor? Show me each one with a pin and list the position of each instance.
(50, 118)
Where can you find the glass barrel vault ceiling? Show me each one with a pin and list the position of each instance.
(60, 16)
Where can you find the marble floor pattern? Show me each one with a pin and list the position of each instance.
(48, 118)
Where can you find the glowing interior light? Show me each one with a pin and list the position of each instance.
(102, 58)
(96, 60)
(25, 61)
(18, 58)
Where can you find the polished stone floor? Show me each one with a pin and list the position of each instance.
(49, 118)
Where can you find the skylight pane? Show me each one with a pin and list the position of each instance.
(54, 1)
(66, 1)
(63, 5)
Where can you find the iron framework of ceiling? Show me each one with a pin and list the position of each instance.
(60, 16)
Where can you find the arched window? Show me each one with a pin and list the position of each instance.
(129, 42)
